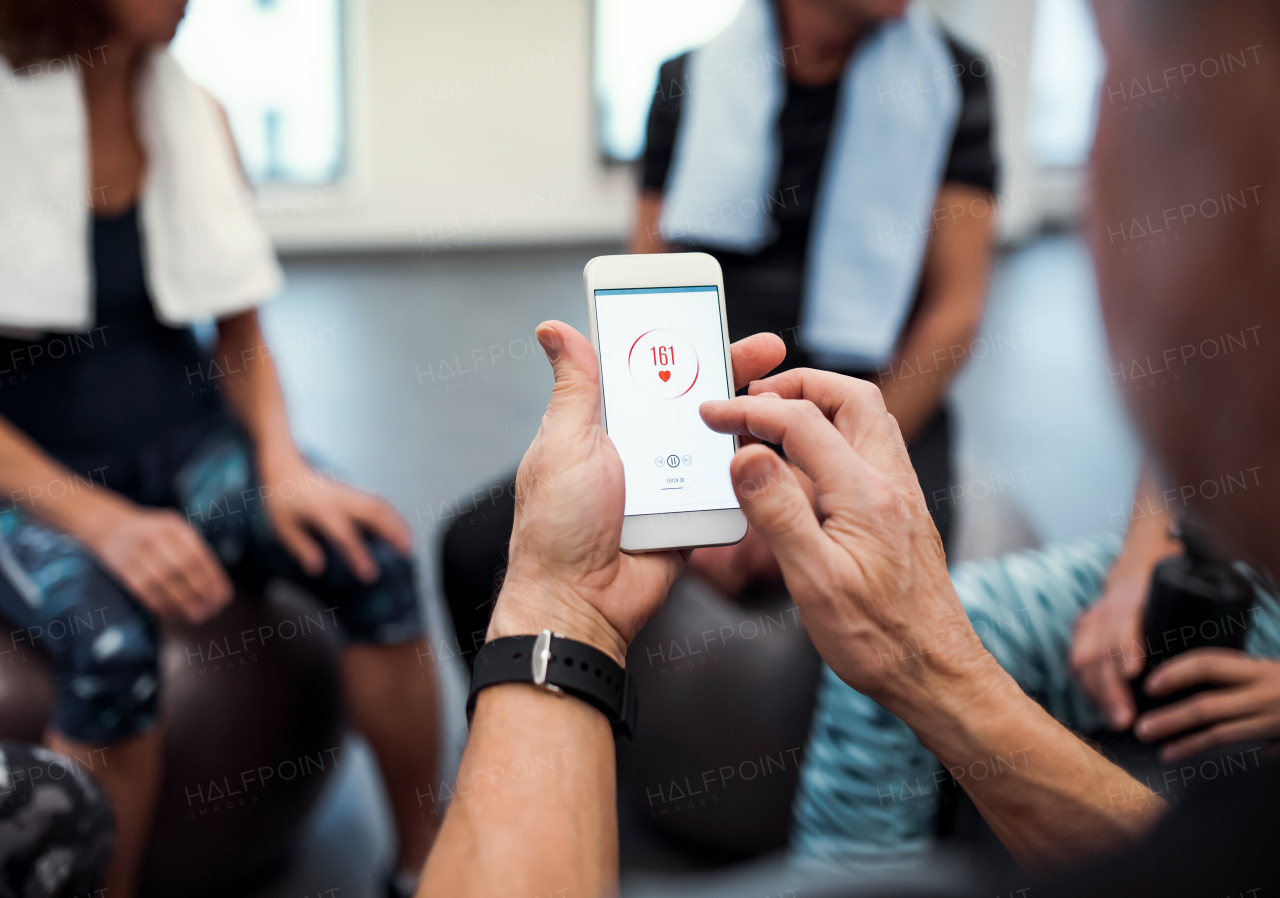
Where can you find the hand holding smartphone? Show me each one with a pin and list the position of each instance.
(658, 326)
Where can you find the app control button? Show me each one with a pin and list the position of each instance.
(673, 461)
(659, 461)
(687, 460)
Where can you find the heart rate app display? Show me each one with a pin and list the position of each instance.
(663, 363)
(662, 356)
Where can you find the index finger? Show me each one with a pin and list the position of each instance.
(855, 406)
(170, 565)
(1208, 665)
(342, 534)
(206, 573)
(382, 520)
(804, 432)
(1109, 691)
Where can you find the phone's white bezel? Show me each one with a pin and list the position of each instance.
(682, 529)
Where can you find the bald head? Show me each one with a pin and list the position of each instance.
(1185, 229)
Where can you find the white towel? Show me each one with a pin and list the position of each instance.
(896, 116)
(205, 252)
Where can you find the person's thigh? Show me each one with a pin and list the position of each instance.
(104, 646)
(473, 560)
(219, 490)
(56, 825)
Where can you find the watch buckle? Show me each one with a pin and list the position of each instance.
(541, 660)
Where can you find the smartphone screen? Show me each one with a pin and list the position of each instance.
(662, 356)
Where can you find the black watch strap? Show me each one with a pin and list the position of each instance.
(557, 664)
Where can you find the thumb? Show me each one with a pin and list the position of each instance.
(776, 505)
(1135, 656)
(575, 398)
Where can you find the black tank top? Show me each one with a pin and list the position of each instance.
(129, 395)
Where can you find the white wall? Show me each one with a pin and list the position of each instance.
(473, 124)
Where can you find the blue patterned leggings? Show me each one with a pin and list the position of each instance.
(56, 598)
(869, 792)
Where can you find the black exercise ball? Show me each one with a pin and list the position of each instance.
(726, 692)
(253, 717)
(26, 688)
(252, 711)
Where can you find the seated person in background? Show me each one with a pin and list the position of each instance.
(1106, 647)
(866, 566)
(1108, 652)
(143, 477)
(872, 797)
(795, 149)
(841, 248)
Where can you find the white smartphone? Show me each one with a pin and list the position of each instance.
(658, 325)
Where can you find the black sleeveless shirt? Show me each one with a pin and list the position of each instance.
(129, 395)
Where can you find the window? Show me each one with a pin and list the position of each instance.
(276, 66)
(633, 38)
(1066, 70)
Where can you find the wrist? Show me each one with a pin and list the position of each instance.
(278, 459)
(91, 515)
(524, 608)
(944, 690)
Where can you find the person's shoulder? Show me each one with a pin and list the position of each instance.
(669, 92)
(672, 73)
(972, 68)
(972, 159)
(973, 73)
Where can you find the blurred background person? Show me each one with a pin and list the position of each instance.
(836, 157)
(161, 234)
(1236, 695)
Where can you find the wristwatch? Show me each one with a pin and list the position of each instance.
(555, 663)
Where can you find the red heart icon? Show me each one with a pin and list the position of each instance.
(665, 375)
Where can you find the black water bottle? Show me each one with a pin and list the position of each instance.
(1196, 600)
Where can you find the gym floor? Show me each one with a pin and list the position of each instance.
(417, 376)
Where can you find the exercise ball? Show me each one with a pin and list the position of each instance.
(253, 716)
(726, 691)
(26, 688)
(252, 712)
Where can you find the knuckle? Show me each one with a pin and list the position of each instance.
(866, 392)
(169, 519)
(807, 411)
(883, 498)
(1078, 660)
(779, 517)
(1200, 711)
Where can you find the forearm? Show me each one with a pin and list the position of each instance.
(75, 502)
(953, 290)
(1150, 535)
(534, 811)
(646, 237)
(1048, 795)
(254, 391)
(930, 357)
